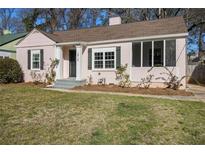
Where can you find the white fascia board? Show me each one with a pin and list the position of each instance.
(141, 38)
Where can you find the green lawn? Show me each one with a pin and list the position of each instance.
(30, 115)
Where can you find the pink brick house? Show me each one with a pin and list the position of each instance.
(97, 52)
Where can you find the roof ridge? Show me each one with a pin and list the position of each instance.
(171, 25)
(108, 26)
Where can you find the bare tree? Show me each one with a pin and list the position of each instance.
(195, 20)
(52, 19)
(75, 17)
(93, 15)
(6, 19)
(64, 23)
(127, 15)
(30, 17)
(55, 19)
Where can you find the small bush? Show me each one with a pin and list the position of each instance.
(146, 82)
(10, 71)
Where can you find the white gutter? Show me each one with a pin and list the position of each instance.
(142, 38)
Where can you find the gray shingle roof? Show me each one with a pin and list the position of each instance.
(172, 25)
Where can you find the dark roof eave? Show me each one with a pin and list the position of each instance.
(4, 50)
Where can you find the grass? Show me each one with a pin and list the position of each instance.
(30, 115)
(134, 90)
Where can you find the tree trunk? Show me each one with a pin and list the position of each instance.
(200, 39)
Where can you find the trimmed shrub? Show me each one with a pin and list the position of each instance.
(10, 71)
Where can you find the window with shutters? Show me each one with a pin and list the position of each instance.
(104, 58)
(35, 59)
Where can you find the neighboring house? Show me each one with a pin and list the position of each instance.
(196, 58)
(97, 52)
(193, 58)
(7, 44)
(202, 56)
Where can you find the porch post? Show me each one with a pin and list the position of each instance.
(59, 56)
(79, 52)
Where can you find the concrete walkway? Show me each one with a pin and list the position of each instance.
(198, 91)
(198, 95)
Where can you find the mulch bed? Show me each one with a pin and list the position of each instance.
(134, 90)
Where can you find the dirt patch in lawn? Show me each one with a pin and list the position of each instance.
(134, 90)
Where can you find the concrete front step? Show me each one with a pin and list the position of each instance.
(68, 83)
(64, 86)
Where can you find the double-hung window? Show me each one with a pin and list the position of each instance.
(110, 59)
(98, 62)
(104, 58)
(35, 59)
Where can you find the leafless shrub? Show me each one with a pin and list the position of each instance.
(172, 82)
(37, 77)
(145, 82)
(90, 80)
(123, 76)
(51, 74)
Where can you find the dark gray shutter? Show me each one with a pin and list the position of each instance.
(118, 57)
(29, 59)
(136, 54)
(41, 60)
(90, 59)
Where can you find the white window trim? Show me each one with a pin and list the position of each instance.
(164, 53)
(35, 52)
(141, 65)
(152, 53)
(103, 50)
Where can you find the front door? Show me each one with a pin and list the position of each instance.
(72, 63)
